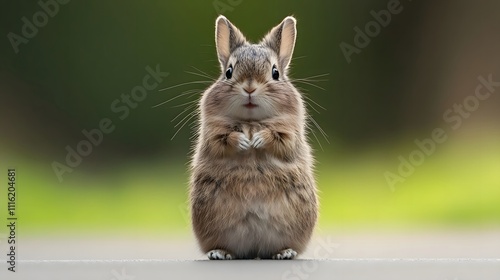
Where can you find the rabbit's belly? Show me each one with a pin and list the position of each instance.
(261, 233)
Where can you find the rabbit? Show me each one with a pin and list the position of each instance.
(252, 189)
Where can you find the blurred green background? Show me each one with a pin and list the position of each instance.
(395, 90)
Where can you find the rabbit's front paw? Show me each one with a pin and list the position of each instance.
(243, 142)
(258, 140)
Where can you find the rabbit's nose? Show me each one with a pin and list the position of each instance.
(249, 90)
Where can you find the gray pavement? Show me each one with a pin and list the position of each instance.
(443, 255)
(353, 269)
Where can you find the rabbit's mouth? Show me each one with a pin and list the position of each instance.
(250, 105)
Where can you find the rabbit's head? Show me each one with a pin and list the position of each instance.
(253, 84)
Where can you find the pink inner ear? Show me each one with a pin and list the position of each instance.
(222, 39)
(288, 34)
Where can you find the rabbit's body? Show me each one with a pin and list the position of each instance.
(253, 193)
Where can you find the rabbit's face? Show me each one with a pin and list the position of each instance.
(253, 87)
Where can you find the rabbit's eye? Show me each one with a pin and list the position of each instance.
(276, 74)
(229, 72)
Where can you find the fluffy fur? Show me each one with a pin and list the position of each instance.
(252, 190)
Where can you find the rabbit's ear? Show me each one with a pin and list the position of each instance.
(281, 39)
(227, 39)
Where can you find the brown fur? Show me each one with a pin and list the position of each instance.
(253, 202)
